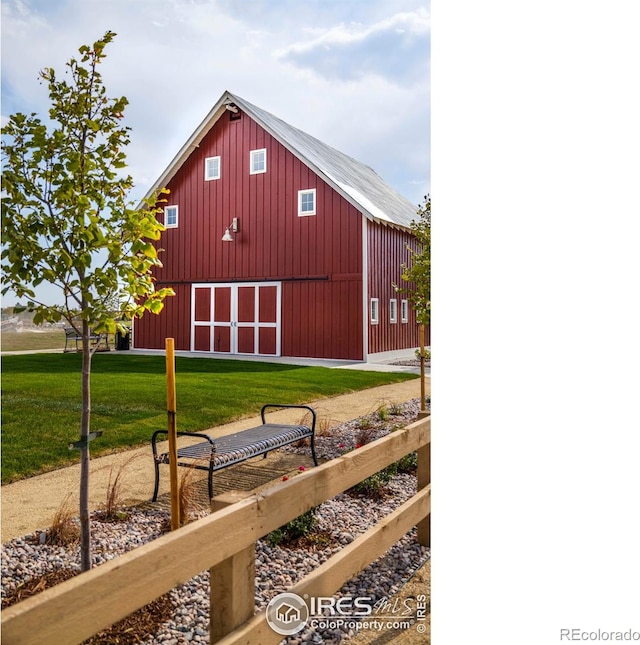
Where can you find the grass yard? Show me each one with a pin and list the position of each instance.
(41, 404)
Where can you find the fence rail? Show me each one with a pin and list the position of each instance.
(224, 542)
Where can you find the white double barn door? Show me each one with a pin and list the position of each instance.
(236, 318)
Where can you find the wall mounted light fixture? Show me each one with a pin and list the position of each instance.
(227, 237)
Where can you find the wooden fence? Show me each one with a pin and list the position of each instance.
(224, 543)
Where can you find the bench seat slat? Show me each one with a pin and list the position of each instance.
(254, 442)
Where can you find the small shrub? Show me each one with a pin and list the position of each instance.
(364, 435)
(395, 409)
(408, 464)
(364, 423)
(382, 413)
(297, 528)
(404, 466)
(373, 486)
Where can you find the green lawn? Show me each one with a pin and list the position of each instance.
(41, 403)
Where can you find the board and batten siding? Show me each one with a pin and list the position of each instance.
(386, 253)
(318, 258)
(173, 322)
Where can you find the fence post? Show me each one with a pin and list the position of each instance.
(232, 584)
(424, 479)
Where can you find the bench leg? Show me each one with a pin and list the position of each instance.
(210, 481)
(313, 451)
(157, 485)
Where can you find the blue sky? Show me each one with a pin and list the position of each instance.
(353, 74)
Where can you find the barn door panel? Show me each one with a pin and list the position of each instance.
(245, 319)
(268, 325)
(222, 339)
(222, 319)
(267, 343)
(202, 319)
(246, 340)
(202, 309)
(246, 304)
(202, 338)
(268, 299)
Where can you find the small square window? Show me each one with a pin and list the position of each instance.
(306, 202)
(374, 311)
(393, 310)
(404, 311)
(171, 216)
(211, 168)
(258, 161)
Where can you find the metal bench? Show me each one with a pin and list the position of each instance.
(70, 334)
(221, 452)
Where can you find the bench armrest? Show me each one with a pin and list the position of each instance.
(201, 435)
(284, 405)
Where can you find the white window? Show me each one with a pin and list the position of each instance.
(306, 202)
(374, 311)
(393, 310)
(171, 216)
(211, 168)
(258, 161)
(404, 311)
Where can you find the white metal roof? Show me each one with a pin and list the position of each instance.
(355, 181)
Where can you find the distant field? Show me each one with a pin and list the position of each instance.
(14, 341)
(22, 341)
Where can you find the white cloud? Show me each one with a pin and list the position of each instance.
(396, 47)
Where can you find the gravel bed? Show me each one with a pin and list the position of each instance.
(277, 568)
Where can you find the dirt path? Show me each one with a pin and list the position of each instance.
(30, 504)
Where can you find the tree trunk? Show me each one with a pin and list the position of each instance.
(423, 403)
(85, 526)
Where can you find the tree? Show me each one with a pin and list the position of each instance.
(66, 220)
(418, 272)
(417, 275)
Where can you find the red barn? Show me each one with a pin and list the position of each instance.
(278, 245)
